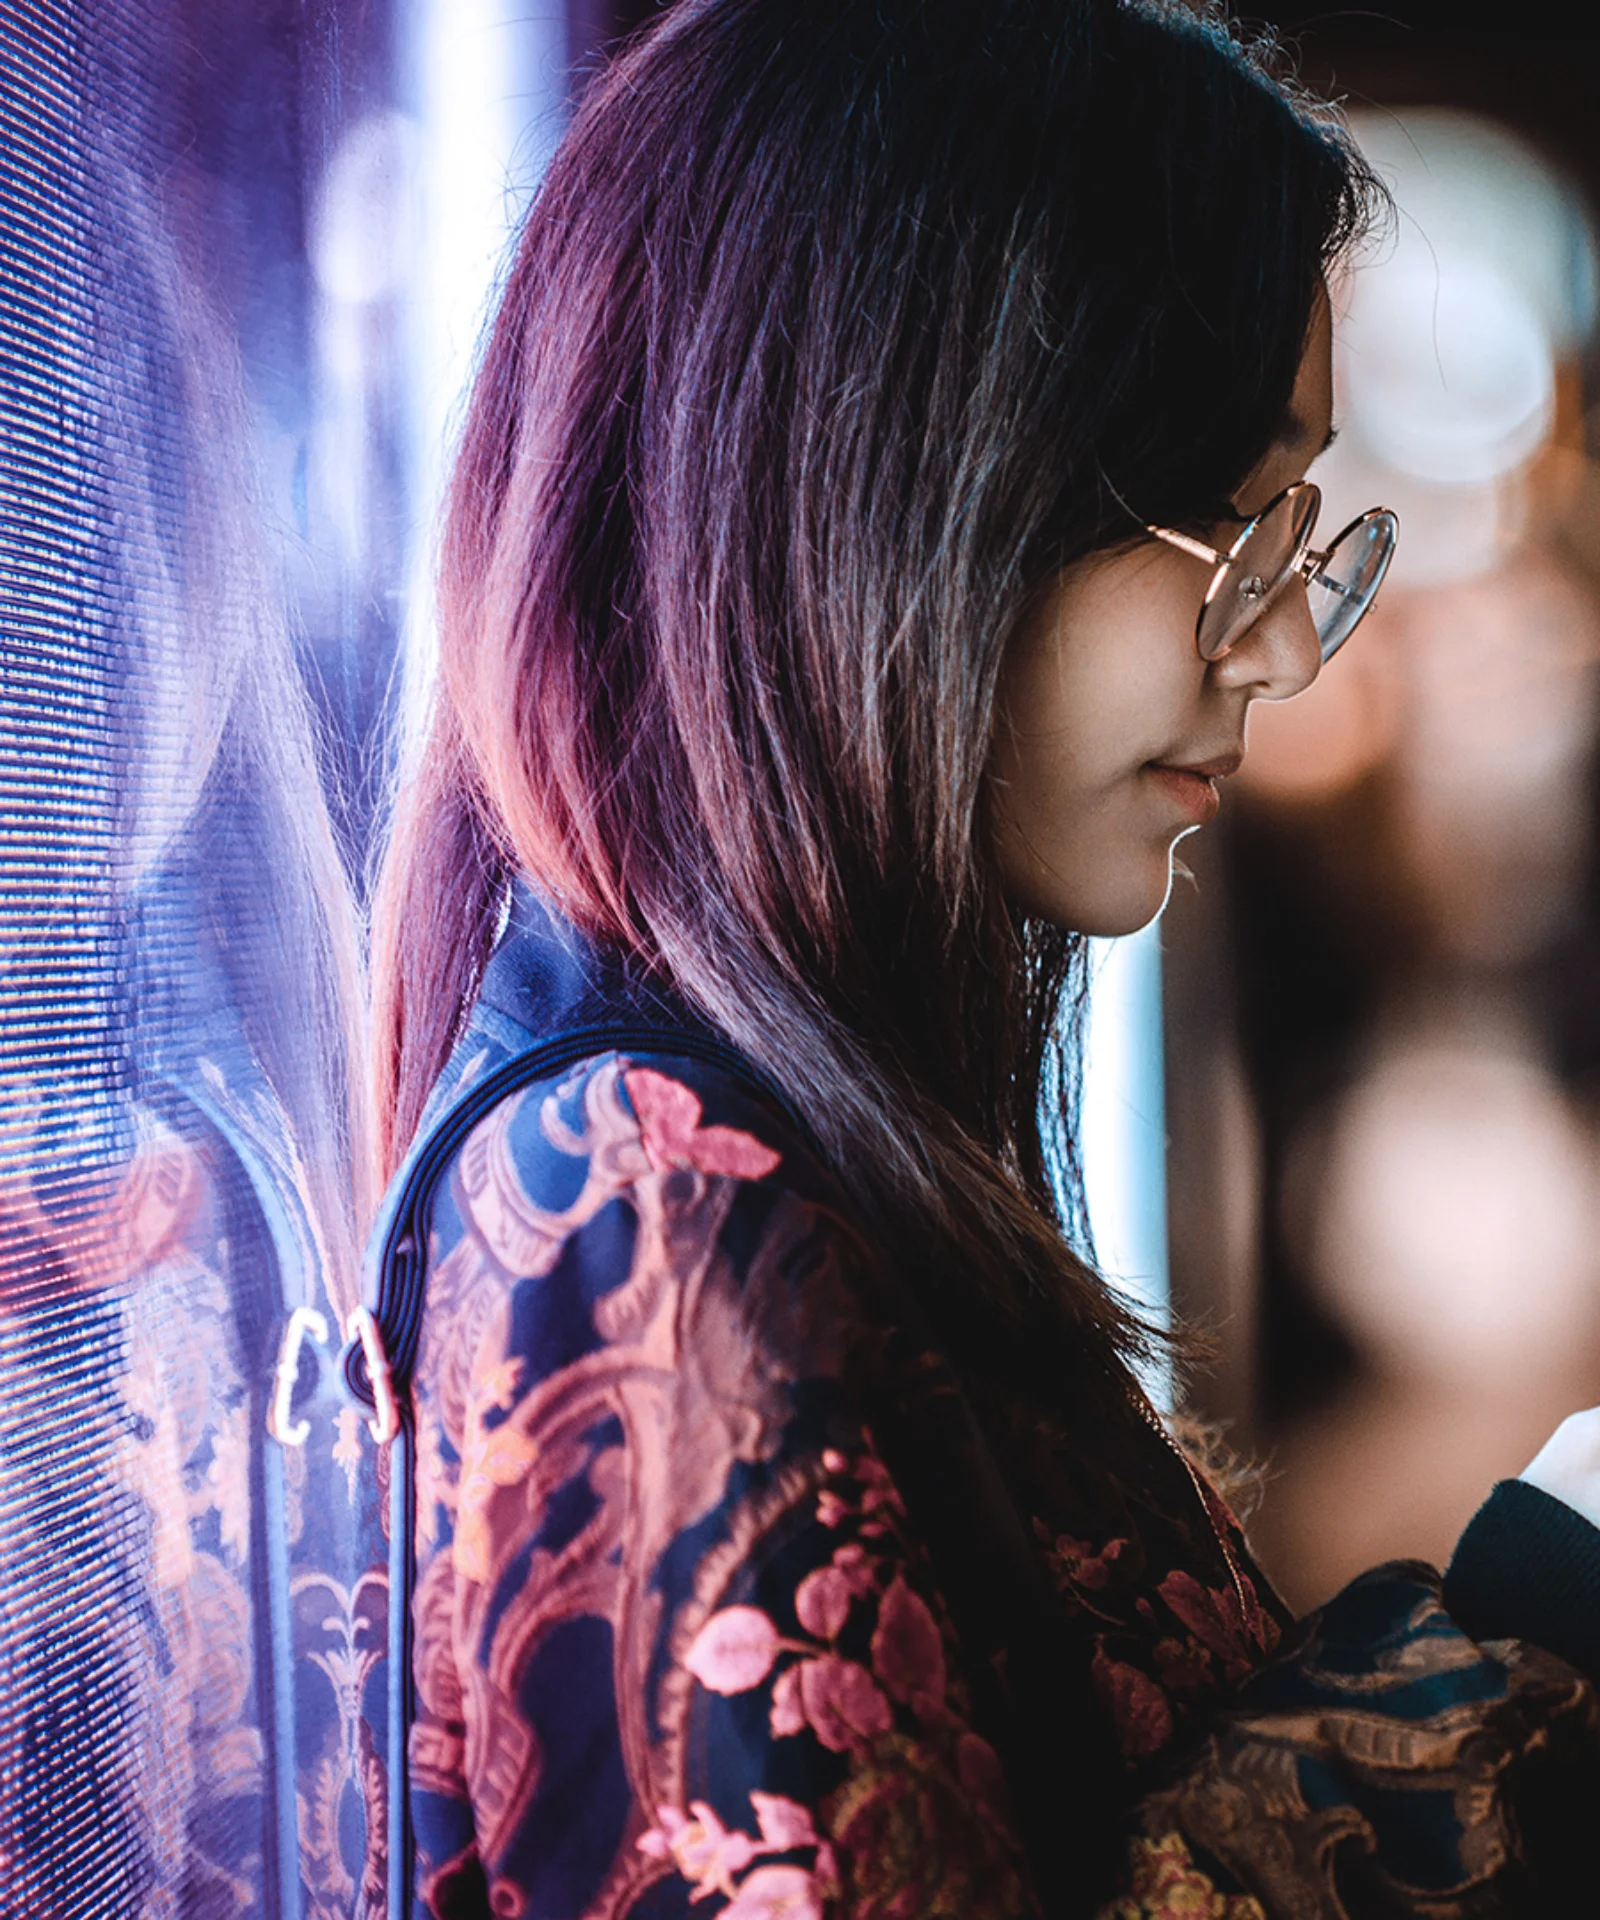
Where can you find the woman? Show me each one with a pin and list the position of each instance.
(833, 635)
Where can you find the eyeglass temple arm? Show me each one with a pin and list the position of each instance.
(1196, 549)
(1307, 565)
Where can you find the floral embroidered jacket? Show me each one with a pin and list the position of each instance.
(733, 1595)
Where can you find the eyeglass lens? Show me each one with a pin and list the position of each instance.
(1342, 588)
(1257, 566)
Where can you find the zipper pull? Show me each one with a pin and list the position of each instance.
(363, 1329)
(287, 1431)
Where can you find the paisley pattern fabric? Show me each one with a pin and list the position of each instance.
(653, 1540)
(680, 1647)
(1391, 1766)
(736, 1594)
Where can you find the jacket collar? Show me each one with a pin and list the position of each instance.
(547, 977)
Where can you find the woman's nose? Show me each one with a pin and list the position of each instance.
(1278, 655)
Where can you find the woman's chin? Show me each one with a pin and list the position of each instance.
(1110, 913)
(1133, 921)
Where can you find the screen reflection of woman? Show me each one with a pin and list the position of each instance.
(880, 505)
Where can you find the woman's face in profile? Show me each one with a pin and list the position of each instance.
(1113, 731)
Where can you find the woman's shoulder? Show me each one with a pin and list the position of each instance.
(580, 1205)
(645, 1110)
(559, 1143)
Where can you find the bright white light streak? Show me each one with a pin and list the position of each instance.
(488, 83)
(1124, 1127)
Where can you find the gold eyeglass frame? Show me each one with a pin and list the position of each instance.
(1308, 562)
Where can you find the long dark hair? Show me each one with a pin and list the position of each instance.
(834, 333)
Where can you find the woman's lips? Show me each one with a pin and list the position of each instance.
(1194, 787)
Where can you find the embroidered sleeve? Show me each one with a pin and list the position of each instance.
(677, 1648)
(1381, 1762)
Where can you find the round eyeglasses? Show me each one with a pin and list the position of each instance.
(1341, 581)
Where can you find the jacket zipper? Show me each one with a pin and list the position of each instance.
(1219, 1534)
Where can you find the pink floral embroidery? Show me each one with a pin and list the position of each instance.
(858, 1567)
(1222, 1635)
(978, 1767)
(704, 1851)
(777, 1893)
(669, 1123)
(708, 1855)
(843, 1704)
(911, 1782)
(880, 1497)
(784, 1823)
(1076, 1562)
(907, 1652)
(788, 1709)
(1138, 1708)
(823, 1601)
(1217, 1619)
(1184, 1667)
(833, 1509)
(734, 1650)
